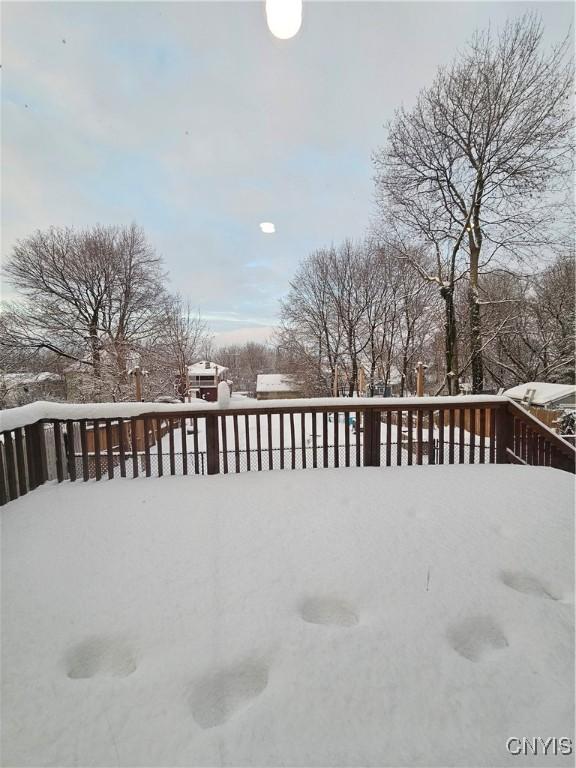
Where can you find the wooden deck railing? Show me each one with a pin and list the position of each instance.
(257, 437)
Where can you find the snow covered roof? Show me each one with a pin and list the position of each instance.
(205, 367)
(11, 380)
(544, 392)
(276, 382)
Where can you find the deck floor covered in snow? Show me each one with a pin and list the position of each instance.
(350, 617)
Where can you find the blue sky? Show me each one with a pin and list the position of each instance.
(192, 120)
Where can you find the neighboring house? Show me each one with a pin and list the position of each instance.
(277, 386)
(541, 394)
(392, 388)
(203, 379)
(22, 388)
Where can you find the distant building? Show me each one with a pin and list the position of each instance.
(203, 379)
(277, 386)
(392, 387)
(541, 394)
(22, 388)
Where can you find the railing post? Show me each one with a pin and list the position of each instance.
(212, 445)
(372, 428)
(39, 462)
(504, 433)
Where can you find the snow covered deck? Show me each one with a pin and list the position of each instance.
(350, 617)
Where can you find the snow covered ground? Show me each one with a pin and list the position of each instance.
(349, 617)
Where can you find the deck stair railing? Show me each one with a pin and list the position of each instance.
(338, 432)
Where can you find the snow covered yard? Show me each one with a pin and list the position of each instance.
(348, 617)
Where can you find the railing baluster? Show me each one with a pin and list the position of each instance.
(431, 448)
(184, 442)
(358, 433)
(84, 450)
(388, 438)
(472, 454)
(270, 453)
(70, 450)
(122, 446)
(195, 443)
(19, 444)
(419, 426)
(134, 442)
(247, 440)
(96, 438)
(441, 436)
(451, 437)
(109, 447)
(147, 446)
(10, 466)
(236, 442)
(314, 442)
(224, 443)
(461, 436)
(409, 425)
(347, 419)
(29, 432)
(4, 497)
(57, 434)
(398, 438)
(482, 435)
(325, 439)
(492, 456)
(547, 454)
(303, 438)
(159, 446)
(336, 440)
(171, 446)
(212, 444)
(292, 440)
(281, 417)
(258, 443)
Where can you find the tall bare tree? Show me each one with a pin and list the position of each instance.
(484, 148)
(92, 297)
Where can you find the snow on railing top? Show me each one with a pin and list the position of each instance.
(13, 418)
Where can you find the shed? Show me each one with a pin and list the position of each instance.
(542, 394)
(277, 386)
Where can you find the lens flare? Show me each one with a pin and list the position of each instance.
(284, 17)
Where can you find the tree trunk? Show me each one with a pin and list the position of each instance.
(353, 377)
(475, 324)
(450, 340)
(95, 349)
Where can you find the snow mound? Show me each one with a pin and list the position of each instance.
(352, 617)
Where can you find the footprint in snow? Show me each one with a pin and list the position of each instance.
(476, 636)
(216, 697)
(527, 584)
(99, 656)
(329, 611)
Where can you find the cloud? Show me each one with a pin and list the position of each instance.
(261, 334)
(192, 120)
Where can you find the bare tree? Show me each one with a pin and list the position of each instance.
(92, 297)
(483, 150)
(179, 341)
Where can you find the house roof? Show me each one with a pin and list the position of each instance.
(11, 380)
(205, 367)
(544, 391)
(276, 382)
